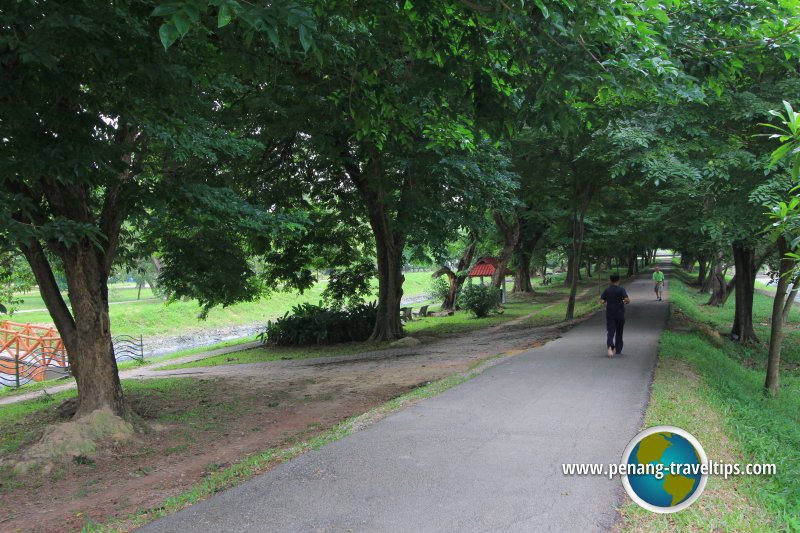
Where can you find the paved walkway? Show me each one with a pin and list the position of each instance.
(483, 456)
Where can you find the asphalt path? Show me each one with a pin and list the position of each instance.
(484, 456)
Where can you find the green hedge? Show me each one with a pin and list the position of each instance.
(314, 324)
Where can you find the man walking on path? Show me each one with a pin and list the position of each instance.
(658, 277)
(614, 298)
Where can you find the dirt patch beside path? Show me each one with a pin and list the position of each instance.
(205, 419)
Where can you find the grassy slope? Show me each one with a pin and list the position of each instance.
(688, 300)
(117, 292)
(701, 386)
(154, 318)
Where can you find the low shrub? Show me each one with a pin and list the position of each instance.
(479, 299)
(314, 324)
(438, 289)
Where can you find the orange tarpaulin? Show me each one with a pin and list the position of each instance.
(24, 347)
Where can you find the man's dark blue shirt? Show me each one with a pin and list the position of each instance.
(614, 295)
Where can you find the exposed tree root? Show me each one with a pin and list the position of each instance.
(80, 438)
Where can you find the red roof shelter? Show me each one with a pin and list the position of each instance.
(486, 267)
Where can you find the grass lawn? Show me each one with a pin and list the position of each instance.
(117, 292)
(151, 318)
(701, 386)
(687, 299)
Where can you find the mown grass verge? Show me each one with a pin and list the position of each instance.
(701, 386)
(687, 299)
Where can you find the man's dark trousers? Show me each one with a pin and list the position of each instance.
(615, 327)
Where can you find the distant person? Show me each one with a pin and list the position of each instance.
(614, 298)
(658, 277)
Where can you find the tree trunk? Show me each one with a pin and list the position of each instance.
(720, 288)
(588, 267)
(786, 265)
(569, 276)
(787, 308)
(457, 278)
(97, 376)
(526, 244)
(86, 331)
(510, 233)
(729, 288)
(714, 266)
(522, 275)
(388, 325)
(452, 293)
(575, 260)
(744, 260)
(463, 268)
(631, 262)
(701, 273)
(389, 244)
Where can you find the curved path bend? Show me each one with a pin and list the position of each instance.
(483, 456)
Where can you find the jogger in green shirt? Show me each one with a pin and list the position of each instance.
(658, 277)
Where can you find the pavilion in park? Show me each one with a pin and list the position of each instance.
(486, 267)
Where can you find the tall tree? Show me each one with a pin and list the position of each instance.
(786, 232)
(97, 119)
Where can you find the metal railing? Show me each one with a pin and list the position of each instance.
(128, 347)
(40, 364)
